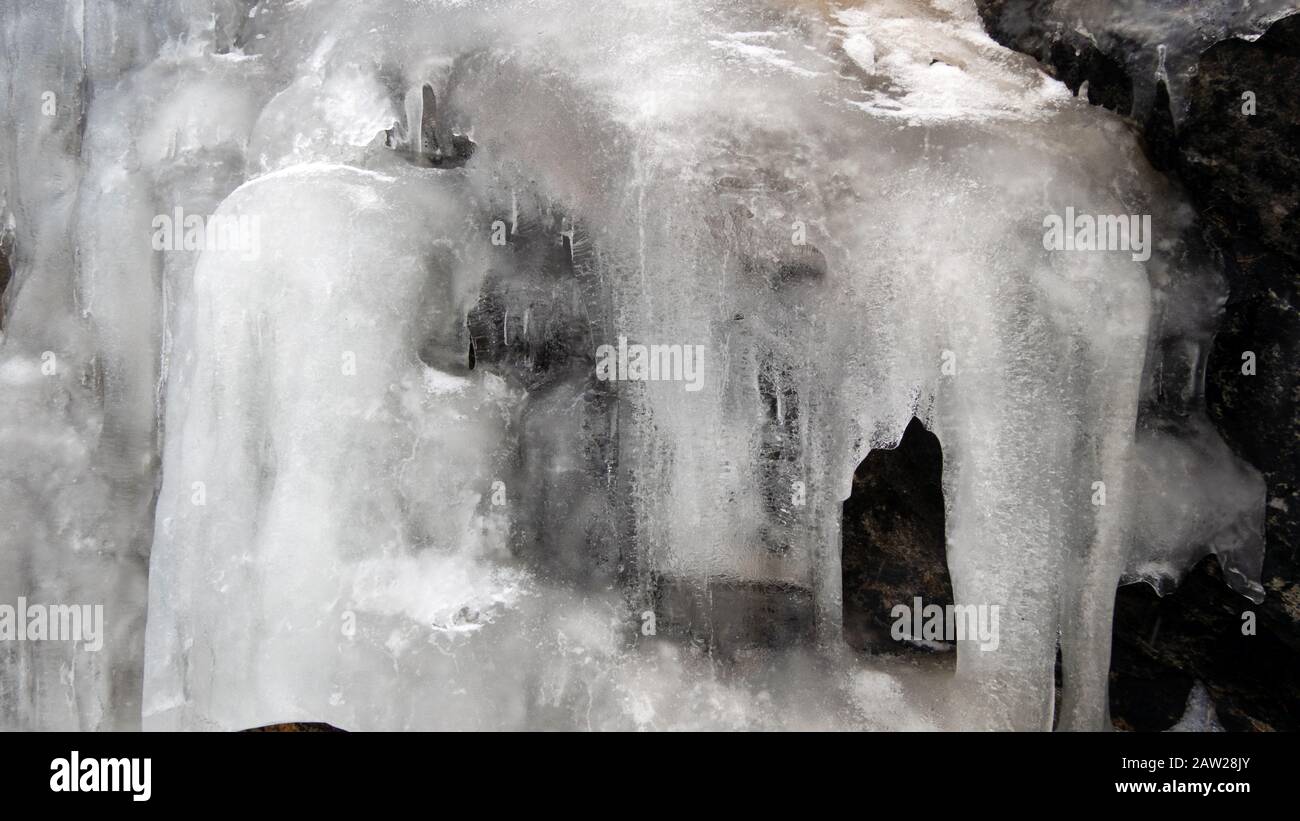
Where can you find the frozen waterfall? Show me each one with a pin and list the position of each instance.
(466, 364)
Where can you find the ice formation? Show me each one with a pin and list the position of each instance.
(355, 465)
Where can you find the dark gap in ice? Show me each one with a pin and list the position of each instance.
(1159, 134)
(428, 122)
(893, 540)
(6, 246)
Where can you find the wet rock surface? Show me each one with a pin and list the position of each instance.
(1201, 632)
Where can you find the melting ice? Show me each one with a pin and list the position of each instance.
(368, 474)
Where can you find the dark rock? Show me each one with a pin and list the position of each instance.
(1160, 141)
(1163, 645)
(894, 546)
(1243, 172)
